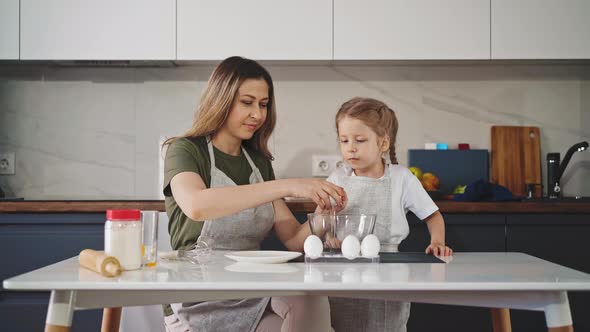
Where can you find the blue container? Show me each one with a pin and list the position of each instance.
(453, 167)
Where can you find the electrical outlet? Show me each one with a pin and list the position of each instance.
(324, 165)
(7, 163)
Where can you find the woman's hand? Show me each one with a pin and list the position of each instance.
(320, 191)
(439, 249)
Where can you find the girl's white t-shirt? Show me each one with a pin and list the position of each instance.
(413, 196)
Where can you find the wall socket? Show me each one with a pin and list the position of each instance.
(324, 165)
(7, 163)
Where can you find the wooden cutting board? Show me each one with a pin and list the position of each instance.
(516, 158)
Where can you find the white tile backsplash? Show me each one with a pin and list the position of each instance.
(93, 133)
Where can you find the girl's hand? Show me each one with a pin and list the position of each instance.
(320, 191)
(439, 249)
(332, 242)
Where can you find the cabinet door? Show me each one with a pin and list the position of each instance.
(418, 29)
(540, 29)
(464, 233)
(560, 239)
(258, 29)
(9, 29)
(30, 241)
(91, 30)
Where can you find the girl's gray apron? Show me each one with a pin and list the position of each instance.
(382, 197)
(241, 231)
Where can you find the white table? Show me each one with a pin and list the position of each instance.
(494, 280)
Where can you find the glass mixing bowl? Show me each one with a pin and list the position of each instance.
(339, 226)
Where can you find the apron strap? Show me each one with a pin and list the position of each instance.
(211, 155)
(255, 169)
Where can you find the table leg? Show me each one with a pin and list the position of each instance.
(111, 318)
(60, 311)
(558, 315)
(501, 319)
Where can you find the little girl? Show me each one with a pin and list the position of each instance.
(367, 129)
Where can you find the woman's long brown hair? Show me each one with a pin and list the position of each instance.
(218, 98)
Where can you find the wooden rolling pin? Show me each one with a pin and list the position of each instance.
(99, 262)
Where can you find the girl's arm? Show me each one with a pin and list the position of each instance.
(436, 228)
(289, 231)
(201, 203)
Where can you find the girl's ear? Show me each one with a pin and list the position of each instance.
(385, 143)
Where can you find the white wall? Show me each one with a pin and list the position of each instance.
(92, 133)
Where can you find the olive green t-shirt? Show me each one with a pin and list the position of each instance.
(192, 155)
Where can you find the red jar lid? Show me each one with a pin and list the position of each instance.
(124, 215)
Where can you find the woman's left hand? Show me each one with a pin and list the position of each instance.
(439, 249)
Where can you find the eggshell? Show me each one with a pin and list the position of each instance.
(370, 246)
(351, 247)
(313, 246)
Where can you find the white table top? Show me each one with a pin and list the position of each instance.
(464, 271)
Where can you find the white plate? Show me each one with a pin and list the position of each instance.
(263, 256)
(261, 268)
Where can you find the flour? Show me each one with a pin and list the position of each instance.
(123, 240)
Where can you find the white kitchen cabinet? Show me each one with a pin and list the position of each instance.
(9, 29)
(540, 29)
(411, 29)
(104, 30)
(258, 29)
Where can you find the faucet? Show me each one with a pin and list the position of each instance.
(555, 169)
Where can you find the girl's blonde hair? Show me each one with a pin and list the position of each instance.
(218, 98)
(376, 115)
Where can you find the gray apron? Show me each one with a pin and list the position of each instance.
(382, 197)
(241, 231)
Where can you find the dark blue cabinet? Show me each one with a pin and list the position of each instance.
(560, 239)
(464, 233)
(30, 241)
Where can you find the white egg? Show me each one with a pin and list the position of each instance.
(313, 246)
(370, 246)
(351, 247)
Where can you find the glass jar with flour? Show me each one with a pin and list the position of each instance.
(123, 237)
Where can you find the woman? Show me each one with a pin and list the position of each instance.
(220, 172)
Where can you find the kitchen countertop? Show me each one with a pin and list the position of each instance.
(296, 206)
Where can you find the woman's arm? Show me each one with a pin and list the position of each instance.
(201, 203)
(436, 228)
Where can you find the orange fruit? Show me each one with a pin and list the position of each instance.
(432, 179)
(428, 185)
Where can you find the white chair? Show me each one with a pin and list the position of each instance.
(149, 318)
